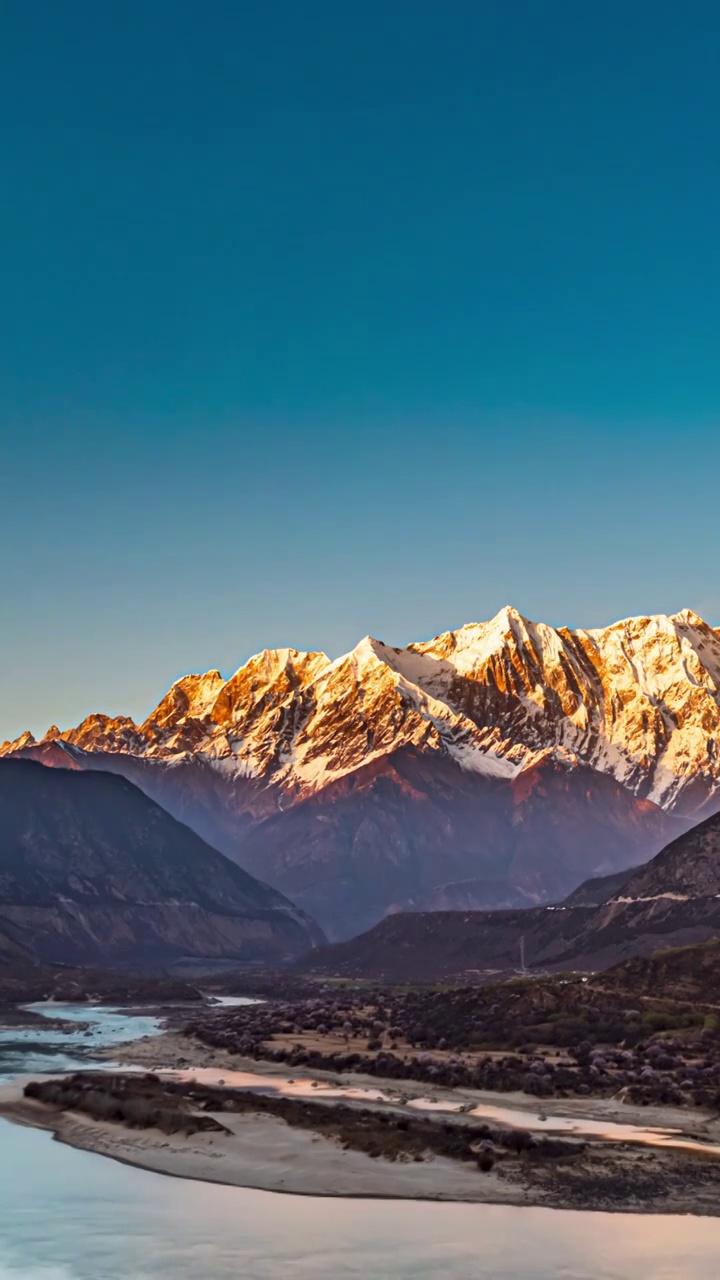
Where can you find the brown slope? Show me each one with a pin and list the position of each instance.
(92, 870)
(476, 945)
(390, 834)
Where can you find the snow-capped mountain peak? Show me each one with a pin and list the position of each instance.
(638, 700)
(508, 756)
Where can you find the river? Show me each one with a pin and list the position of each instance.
(70, 1215)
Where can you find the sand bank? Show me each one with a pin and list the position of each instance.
(613, 1117)
(264, 1153)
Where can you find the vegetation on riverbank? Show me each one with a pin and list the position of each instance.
(648, 1029)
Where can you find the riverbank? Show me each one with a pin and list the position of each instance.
(174, 1225)
(261, 1152)
(258, 1150)
(171, 1051)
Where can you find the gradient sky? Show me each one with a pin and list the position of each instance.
(322, 318)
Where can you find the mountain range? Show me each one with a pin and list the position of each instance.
(92, 871)
(499, 765)
(673, 901)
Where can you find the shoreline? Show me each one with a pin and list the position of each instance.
(171, 1052)
(262, 1152)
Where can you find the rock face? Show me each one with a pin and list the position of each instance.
(638, 700)
(91, 870)
(507, 753)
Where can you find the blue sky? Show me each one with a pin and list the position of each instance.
(321, 319)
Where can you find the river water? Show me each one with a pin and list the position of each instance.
(70, 1215)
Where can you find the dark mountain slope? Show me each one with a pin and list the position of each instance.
(674, 901)
(433, 946)
(407, 831)
(12, 952)
(395, 832)
(217, 807)
(477, 945)
(688, 867)
(596, 891)
(92, 870)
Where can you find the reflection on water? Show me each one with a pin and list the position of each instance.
(69, 1215)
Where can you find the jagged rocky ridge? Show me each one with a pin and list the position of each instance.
(385, 778)
(92, 871)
